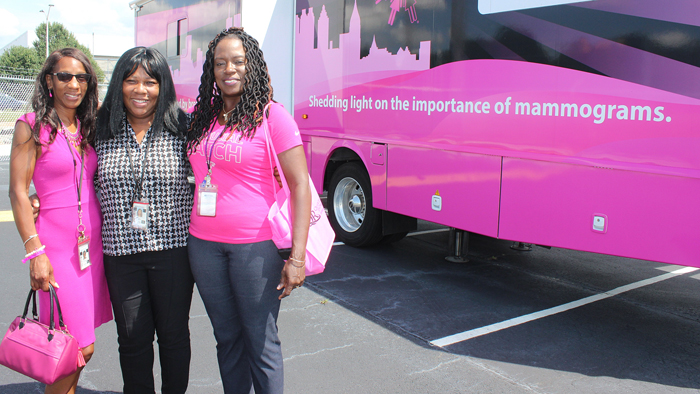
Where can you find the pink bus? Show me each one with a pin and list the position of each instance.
(566, 123)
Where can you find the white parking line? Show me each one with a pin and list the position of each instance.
(6, 216)
(477, 332)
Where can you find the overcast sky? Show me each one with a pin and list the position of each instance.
(111, 21)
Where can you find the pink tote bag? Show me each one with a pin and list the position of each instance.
(321, 234)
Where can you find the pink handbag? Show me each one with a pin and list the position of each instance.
(37, 350)
(321, 234)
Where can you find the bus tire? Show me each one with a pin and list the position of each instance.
(355, 221)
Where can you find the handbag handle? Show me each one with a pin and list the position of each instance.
(26, 308)
(61, 324)
(53, 298)
(273, 155)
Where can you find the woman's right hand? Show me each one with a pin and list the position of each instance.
(41, 273)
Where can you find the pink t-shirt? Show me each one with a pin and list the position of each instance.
(242, 173)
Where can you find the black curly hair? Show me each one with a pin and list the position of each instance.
(257, 92)
(43, 103)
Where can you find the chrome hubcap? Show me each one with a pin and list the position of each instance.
(349, 205)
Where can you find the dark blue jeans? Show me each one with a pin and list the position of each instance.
(151, 293)
(238, 284)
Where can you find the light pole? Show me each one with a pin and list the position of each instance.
(47, 28)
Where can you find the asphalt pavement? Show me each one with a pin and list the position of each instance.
(543, 321)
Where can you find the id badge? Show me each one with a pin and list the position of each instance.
(139, 215)
(206, 200)
(84, 252)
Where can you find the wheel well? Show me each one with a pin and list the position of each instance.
(339, 157)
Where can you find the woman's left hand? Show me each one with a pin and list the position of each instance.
(293, 275)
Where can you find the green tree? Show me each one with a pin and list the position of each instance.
(20, 60)
(60, 37)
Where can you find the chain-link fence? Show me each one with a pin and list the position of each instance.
(15, 97)
(15, 100)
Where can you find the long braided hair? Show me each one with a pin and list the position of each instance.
(43, 103)
(257, 92)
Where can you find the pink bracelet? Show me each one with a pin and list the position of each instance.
(35, 253)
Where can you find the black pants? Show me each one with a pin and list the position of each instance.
(151, 293)
(238, 284)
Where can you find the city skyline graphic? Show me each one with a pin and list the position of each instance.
(327, 68)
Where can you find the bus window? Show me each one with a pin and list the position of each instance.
(176, 43)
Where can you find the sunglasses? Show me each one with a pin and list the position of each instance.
(67, 77)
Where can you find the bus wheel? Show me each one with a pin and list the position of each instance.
(355, 221)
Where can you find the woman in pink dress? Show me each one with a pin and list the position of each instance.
(51, 146)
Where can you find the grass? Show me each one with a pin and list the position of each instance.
(8, 114)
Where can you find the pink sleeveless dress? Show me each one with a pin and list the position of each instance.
(83, 293)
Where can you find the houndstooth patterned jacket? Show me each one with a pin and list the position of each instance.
(164, 186)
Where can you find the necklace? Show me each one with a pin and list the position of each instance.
(227, 114)
(74, 138)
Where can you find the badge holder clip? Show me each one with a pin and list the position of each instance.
(83, 245)
(139, 215)
(206, 197)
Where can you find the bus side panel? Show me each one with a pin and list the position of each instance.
(321, 150)
(466, 185)
(271, 22)
(648, 216)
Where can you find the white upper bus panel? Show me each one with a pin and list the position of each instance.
(494, 6)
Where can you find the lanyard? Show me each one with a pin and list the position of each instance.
(78, 183)
(138, 182)
(208, 157)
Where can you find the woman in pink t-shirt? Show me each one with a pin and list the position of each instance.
(235, 263)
